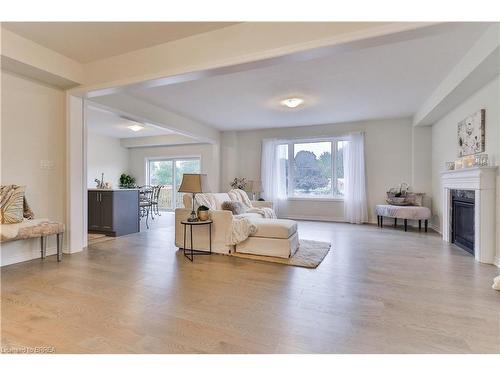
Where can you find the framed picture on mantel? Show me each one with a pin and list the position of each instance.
(471, 134)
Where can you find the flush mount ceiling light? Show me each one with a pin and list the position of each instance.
(292, 102)
(135, 128)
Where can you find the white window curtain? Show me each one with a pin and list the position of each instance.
(355, 202)
(273, 171)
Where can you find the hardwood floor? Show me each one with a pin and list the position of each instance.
(377, 291)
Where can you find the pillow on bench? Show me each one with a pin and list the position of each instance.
(11, 204)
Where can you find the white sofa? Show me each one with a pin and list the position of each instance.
(274, 237)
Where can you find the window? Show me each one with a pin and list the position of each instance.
(313, 169)
(169, 172)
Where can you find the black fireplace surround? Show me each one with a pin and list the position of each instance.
(462, 219)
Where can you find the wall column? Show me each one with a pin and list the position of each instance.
(76, 230)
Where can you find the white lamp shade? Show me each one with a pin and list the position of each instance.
(256, 186)
(194, 183)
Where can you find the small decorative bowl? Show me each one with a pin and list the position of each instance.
(203, 215)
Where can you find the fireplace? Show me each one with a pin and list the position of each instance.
(469, 202)
(462, 219)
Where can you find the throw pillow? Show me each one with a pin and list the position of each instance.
(237, 208)
(27, 211)
(11, 204)
(415, 199)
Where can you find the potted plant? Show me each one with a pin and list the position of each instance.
(127, 181)
(203, 213)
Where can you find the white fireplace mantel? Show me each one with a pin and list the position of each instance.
(483, 181)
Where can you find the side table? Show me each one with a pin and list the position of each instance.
(190, 253)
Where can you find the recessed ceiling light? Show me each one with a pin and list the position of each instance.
(292, 102)
(135, 128)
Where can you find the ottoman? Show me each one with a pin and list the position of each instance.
(274, 237)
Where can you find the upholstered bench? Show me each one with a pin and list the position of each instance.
(35, 228)
(274, 237)
(403, 212)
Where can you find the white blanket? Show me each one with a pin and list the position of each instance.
(205, 199)
(238, 195)
(241, 229)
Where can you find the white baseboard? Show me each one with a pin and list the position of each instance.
(496, 260)
(322, 218)
(413, 223)
(313, 218)
(23, 250)
(435, 228)
(12, 257)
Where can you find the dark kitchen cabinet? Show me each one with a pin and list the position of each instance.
(113, 212)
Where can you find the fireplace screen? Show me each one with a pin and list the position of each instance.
(462, 219)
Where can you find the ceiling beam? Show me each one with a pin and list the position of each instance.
(24, 57)
(142, 111)
(478, 67)
(158, 140)
(240, 47)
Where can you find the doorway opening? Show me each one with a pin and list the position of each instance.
(168, 173)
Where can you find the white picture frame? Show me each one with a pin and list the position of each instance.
(471, 134)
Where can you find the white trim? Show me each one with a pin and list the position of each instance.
(482, 180)
(84, 175)
(316, 199)
(26, 255)
(497, 261)
(435, 228)
(320, 138)
(314, 218)
(160, 158)
(76, 166)
(291, 142)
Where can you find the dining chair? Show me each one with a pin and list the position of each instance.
(145, 202)
(155, 199)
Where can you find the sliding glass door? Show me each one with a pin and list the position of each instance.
(168, 173)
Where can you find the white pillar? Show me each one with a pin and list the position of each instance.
(76, 210)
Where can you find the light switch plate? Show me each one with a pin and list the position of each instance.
(47, 164)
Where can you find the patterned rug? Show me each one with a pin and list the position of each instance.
(309, 255)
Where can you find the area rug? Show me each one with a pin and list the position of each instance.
(309, 255)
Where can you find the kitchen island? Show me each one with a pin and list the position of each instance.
(113, 212)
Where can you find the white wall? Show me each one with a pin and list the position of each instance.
(210, 160)
(388, 152)
(444, 141)
(421, 161)
(33, 129)
(105, 155)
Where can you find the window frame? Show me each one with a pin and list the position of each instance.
(333, 196)
(173, 159)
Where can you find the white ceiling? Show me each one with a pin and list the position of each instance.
(90, 41)
(386, 81)
(109, 124)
